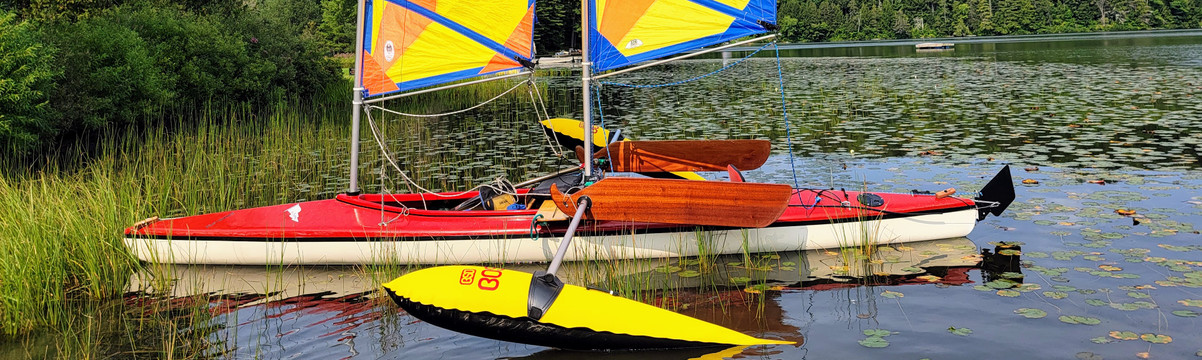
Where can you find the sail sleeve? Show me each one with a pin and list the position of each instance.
(625, 32)
(411, 44)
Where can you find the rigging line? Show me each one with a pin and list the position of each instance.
(452, 112)
(601, 116)
(784, 110)
(724, 68)
(384, 151)
(375, 133)
(555, 146)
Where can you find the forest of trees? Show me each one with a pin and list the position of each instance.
(847, 20)
(844, 20)
(78, 66)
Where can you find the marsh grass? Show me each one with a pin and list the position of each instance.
(62, 215)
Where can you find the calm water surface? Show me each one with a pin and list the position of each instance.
(1111, 123)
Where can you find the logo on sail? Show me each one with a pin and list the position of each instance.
(634, 43)
(389, 51)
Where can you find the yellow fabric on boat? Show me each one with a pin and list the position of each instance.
(466, 288)
(418, 43)
(584, 308)
(664, 23)
(479, 289)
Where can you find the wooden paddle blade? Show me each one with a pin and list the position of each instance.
(681, 201)
(686, 155)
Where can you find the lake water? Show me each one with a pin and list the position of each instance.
(1110, 122)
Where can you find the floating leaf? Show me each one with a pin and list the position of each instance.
(1055, 294)
(1138, 295)
(1191, 302)
(1096, 302)
(1124, 335)
(892, 294)
(1030, 181)
(1012, 275)
(1186, 313)
(688, 273)
(1008, 293)
(1156, 338)
(1082, 320)
(959, 331)
(1124, 212)
(1085, 355)
(1100, 340)
(930, 278)
(1031, 313)
(1110, 268)
(667, 269)
(1003, 284)
(1010, 252)
(877, 332)
(874, 342)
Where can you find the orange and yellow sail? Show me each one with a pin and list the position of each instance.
(410, 44)
(624, 32)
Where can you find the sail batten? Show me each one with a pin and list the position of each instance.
(625, 32)
(411, 44)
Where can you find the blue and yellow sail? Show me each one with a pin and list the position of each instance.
(624, 32)
(410, 44)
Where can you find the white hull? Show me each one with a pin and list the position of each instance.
(524, 249)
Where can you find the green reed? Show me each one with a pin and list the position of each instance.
(62, 216)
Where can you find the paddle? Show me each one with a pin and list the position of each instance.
(734, 204)
(685, 155)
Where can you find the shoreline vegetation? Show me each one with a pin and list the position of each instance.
(105, 119)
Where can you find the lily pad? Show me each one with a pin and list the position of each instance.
(1191, 302)
(667, 269)
(688, 273)
(1082, 320)
(877, 332)
(959, 331)
(1156, 338)
(1031, 313)
(1186, 313)
(892, 294)
(1124, 335)
(1008, 293)
(874, 342)
(1003, 284)
(1055, 294)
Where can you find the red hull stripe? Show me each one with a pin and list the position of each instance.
(559, 231)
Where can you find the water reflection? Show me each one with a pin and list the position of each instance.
(334, 312)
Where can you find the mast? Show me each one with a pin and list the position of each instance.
(585, 78)
(357, 102)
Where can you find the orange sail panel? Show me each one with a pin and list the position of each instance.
(624, 32)
(410, 44)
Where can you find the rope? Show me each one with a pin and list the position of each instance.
(698, 77)
(452, 112)
(600, 116)
(784, 109)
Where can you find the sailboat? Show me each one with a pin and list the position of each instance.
(408, 47)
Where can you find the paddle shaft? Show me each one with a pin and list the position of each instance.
(567, 238)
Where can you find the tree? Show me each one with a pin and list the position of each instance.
(337, 27)
(27, 72)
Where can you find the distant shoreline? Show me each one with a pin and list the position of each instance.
(984, 39)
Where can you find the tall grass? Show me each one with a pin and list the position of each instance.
(62, 216)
